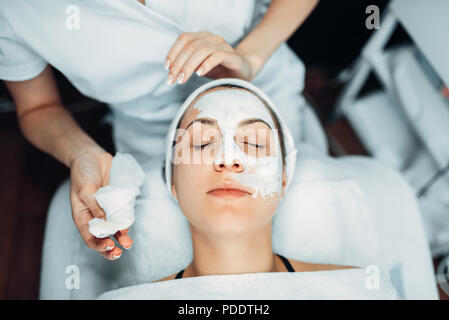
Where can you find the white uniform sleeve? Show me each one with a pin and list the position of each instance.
(17, 61)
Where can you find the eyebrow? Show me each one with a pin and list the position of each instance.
(202, 121)
(251, 121)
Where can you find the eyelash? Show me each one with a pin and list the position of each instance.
(202, 146)
(259, 146)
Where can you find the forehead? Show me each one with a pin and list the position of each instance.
(228, 106)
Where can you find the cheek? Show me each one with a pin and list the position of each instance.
(263, 175)
(181, 177)
(189, 182)
(267, 205)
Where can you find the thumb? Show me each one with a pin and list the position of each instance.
(87, 195)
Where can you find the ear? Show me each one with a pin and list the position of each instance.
(284, 182)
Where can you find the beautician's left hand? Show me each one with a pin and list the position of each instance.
(89, 171)
(207, 54)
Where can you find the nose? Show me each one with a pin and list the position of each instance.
(236, 166)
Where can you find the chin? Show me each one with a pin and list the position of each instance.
(232, 218)
(228, 227)
(232, 209)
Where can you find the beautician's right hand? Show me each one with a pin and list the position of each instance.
(89, 171)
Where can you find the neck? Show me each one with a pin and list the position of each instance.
(232, 254)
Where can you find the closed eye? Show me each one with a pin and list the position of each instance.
(259, 146)
(202, 146)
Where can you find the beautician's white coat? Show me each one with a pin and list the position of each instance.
(116, 56)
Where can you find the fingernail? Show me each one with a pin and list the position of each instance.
(128, 247)
(167, 64)
(116, 257)
(109, 248)
(199, 72)
(180, 77)
(169, 79)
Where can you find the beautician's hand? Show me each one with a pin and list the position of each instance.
(89, 171)
(208, 55)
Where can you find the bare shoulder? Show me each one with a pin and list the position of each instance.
(170, 277)
(301, 266)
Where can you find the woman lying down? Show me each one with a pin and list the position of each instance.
(229, 163)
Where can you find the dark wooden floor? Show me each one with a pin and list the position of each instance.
(28, 179)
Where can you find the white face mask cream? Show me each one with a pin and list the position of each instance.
(229, 108)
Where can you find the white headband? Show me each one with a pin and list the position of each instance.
(290, 150)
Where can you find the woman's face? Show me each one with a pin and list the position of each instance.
(227, 174)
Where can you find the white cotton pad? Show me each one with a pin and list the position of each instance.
(118, 198)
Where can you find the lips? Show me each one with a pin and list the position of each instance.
(229, 190)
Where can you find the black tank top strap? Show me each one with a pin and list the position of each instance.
(180, 273)
(286, 263)
(284, 260)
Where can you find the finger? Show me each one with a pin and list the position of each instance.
(182, 49)
(201, 53)
(100, 245)
(81, 216)
(175, 70)
(180, 43)
(81, 220)
(123, 239)
(87, 196)
(211, 62)
(113, 254)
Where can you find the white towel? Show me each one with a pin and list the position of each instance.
(118, 198)
(335, 284)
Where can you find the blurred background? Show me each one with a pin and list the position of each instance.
(330, 43)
